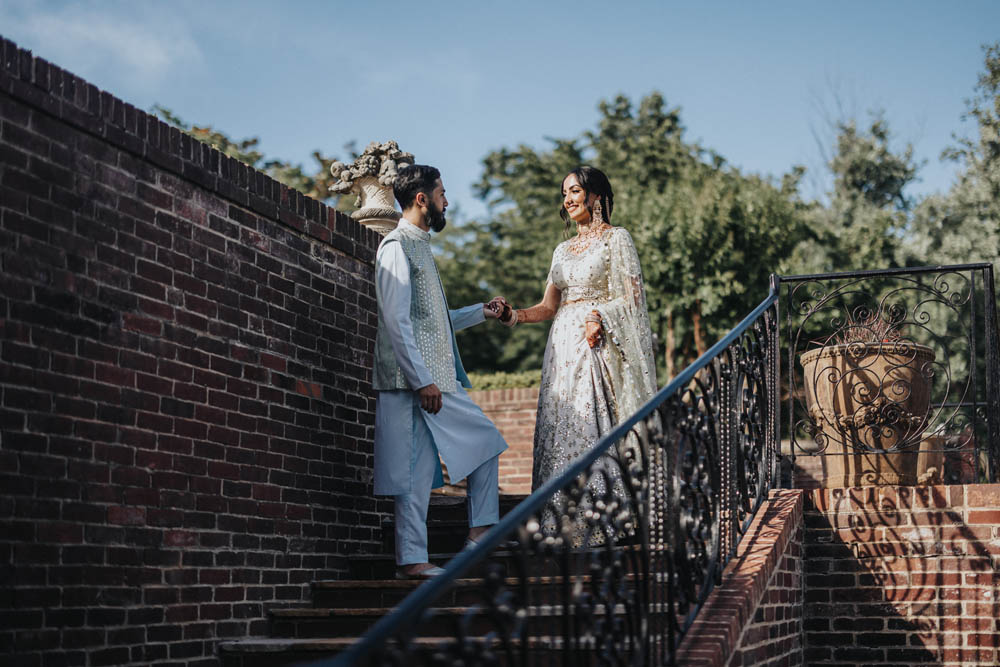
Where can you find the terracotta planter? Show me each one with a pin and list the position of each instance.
(868, 406)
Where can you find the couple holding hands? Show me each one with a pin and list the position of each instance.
(598, 365)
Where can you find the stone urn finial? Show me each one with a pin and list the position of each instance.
(371, 177)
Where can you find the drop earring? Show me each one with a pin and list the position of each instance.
(597, 216)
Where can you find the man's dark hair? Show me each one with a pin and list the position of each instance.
(412, 179)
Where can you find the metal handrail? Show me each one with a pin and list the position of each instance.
(425, 595)
(878, 273)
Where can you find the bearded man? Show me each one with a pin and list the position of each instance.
(422, 413)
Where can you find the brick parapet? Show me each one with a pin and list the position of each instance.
(754, 616)
(60, 94)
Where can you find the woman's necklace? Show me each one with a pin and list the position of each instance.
(585, 235)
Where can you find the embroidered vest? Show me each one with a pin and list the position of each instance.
(430, 318)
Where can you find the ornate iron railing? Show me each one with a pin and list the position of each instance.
(616, 555)
(893, 375)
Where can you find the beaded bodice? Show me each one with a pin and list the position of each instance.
(582, 276)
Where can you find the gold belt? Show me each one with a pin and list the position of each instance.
(566, 303)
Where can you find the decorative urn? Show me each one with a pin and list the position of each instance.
(371, 177)
(868, 393)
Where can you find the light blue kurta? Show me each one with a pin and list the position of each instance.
(463, 436)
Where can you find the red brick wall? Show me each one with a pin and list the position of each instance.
(185, 407)
(513, 411)
(754, 617)
(903, 575)
(774, 636)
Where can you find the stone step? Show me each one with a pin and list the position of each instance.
(289, 652)
(339, 594)
(376, 567)
(313, 622)
(355, 621)
(453, 507)
(512, 562)
(443, 536)
(389, 593)
(447, 522)
(270, 652)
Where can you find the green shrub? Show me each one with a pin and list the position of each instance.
(502, 380)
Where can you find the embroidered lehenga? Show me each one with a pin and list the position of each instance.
(586, 391)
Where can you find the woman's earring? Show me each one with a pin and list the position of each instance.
(597, 217)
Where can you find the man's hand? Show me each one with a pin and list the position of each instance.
(430, 398)
(495, 307)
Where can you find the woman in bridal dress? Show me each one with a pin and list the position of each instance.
(598, 365)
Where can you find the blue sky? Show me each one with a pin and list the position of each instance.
(759, 82)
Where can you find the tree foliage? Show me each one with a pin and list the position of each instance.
(509, 253)
(864, 223)
(963, 225)
(707, 235)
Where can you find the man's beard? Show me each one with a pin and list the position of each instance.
(435, 217)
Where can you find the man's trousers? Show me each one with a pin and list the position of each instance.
(411, 508)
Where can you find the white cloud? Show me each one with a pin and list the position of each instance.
(132, 40)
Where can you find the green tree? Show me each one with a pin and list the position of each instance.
(707, 236)
(863, 225)
(708, 247)
(963, 224)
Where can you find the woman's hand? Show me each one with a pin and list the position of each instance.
(496, 307)
(593, 330)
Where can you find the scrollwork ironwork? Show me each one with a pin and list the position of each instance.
(616, 556)
(887, 363)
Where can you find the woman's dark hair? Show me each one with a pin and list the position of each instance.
(414, 178)
(593, 181)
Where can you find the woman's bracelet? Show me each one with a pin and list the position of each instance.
(593, 316)
(512, 320)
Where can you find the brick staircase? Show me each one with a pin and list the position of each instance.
(892, 576)
(342, 610)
